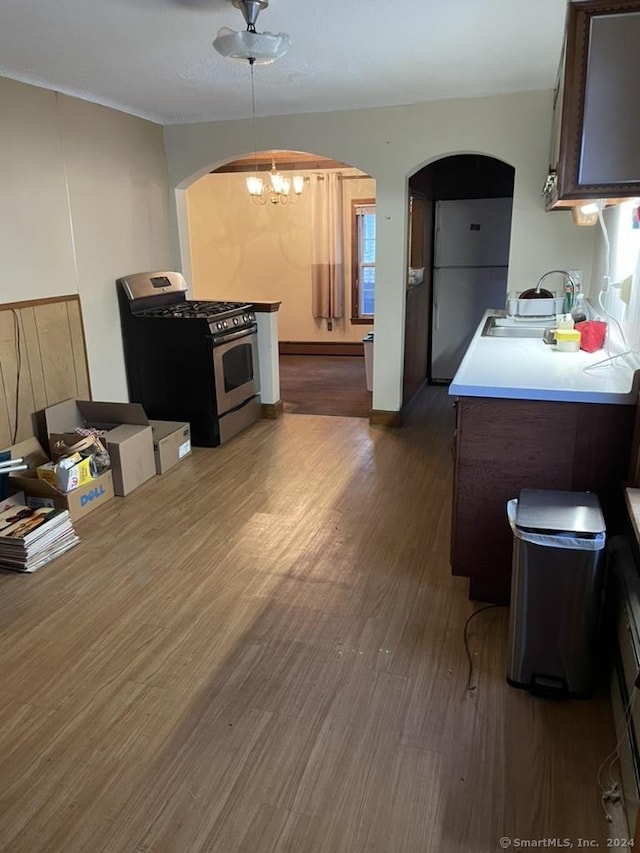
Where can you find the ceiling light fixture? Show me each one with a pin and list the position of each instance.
(249, 45)
(278, 189)
(262, 49)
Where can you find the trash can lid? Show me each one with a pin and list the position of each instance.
(554, 510)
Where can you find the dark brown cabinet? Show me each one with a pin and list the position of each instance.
(503, 446)
(416, 330)
(595, 149)
(418, 297)
(418, 215)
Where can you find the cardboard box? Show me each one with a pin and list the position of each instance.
(79, 502)
(129, 438)
(67, 474)
(171, 443)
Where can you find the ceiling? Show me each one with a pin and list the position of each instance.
(154, 59)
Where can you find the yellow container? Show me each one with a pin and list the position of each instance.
(68, 473)
(567, 340)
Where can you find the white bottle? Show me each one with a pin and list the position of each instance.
(579, 310)
(564, 321)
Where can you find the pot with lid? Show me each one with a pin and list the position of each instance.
(537, 293)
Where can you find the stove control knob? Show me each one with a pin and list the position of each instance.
(235, 321)
(218, 325)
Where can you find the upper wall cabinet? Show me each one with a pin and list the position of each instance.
(595, 149)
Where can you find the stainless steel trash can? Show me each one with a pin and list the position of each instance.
(556, 591)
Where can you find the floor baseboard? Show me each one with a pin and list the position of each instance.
(380, 417)
(355, 348)
(271, 411)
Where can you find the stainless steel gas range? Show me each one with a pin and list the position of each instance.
(189, 360)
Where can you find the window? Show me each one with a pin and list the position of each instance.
(363, 253)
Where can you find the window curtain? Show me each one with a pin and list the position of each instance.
(327, 267)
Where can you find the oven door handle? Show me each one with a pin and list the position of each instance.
(224, 337)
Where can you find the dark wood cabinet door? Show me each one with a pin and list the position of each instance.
(596, 149)
(503, 446)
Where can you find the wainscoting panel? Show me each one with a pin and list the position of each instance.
(42, 361)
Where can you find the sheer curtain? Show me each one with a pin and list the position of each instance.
(327, 252)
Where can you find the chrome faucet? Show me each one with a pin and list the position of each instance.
(570, 281)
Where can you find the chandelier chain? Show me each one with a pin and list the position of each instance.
(253, 114)
(277, 189)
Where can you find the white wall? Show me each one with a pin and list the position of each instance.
(84, 200)
(390, 144)
(611, 269)
(244, 252)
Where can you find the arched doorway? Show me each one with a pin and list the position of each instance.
(250, 252)
(460, 224)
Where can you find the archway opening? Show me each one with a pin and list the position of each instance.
(241, 250)
(459, 235)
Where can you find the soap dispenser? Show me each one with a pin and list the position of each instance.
(579, 310)
(569, 297)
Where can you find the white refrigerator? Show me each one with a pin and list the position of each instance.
(471, 257)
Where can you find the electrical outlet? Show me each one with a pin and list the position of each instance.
(576, 275)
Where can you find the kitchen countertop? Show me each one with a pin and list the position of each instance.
(632, 500)
(528, 369)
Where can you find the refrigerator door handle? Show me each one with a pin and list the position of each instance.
(436, 316)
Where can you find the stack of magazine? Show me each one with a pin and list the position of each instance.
(30, 537)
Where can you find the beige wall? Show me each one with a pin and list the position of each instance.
(390, 144)
(83, 200)
(36, 246)
(241, 251)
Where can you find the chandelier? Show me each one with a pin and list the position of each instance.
(262, 49)
(277, 189)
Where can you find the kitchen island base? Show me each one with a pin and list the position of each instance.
(503, 446)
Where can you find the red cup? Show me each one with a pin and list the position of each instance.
(592, 334)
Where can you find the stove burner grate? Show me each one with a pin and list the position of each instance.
(198, 309)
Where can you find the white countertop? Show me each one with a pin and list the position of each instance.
(529, 369)
(632, 499)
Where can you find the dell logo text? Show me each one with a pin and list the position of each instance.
(94, 494)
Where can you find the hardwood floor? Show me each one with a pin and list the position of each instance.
(324, 385)
(262, 651)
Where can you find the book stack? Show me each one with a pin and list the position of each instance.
(30, 538)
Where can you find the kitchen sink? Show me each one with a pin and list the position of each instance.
(506, 327)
